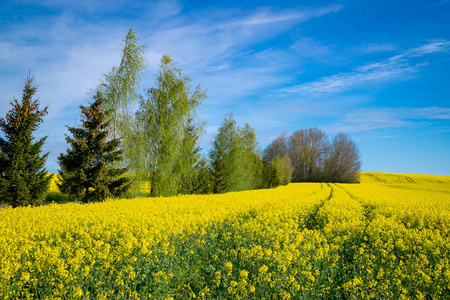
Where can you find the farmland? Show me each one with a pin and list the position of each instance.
(387, 237)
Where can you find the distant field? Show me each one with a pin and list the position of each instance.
(385, 238)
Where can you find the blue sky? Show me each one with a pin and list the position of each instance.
(377, 70)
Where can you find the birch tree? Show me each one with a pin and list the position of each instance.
(119, 89)
(162, 119)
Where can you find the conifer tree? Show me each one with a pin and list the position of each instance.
(187, 165)
(219, 174)
(87, 168)
(203, 184)
(23, 178)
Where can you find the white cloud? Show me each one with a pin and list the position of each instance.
(397, 66)
(370, 119)
(265, 16)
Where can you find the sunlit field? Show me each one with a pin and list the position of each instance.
(385, 238)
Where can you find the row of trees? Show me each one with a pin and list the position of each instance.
(314, 158)
(128, 142)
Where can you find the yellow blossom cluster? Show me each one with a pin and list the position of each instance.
(387, 237)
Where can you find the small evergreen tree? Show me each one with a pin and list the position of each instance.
(203, 182)
(23, 178)
(219, 174)
(187, 165)
(87, 169)
(2, 171)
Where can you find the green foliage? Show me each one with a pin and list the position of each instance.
(167, 133)
(56, 197)
(251, 162)
(23, 178)
(187, 166)
(219, 173)
(277, 172)
(203, 183)
(119, 87)
(269, 175)
(87, 171)
(283, 170)
(236, 163)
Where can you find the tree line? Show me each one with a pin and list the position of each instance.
(148, 145)
(314, 158)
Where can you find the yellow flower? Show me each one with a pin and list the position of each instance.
(263, 269)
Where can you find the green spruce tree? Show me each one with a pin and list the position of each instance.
(203, 183)
(87, 169)
(219, 174)
(187, 165)
(23, 178)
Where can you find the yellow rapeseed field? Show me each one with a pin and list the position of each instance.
(385, 238)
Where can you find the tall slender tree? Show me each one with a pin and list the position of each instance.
(87, 169)
(251, 160)
(23, 178)
(120, 84)
(163, 120)
(120, 90)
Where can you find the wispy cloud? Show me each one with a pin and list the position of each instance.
(403, 64)
(267, 17)
(370, 119)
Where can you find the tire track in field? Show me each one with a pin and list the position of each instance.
(311, 221)
(369, 209)
(409, 179)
